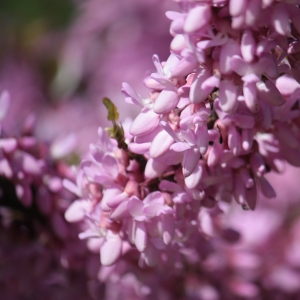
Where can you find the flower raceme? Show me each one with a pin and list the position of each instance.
(221, 113)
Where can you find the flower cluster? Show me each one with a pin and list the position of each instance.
(222, 112)
(37, 244)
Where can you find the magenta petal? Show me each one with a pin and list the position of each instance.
(161, 143)
(140, 236)
(246, 178)
(190, 161)
(197, 18)
(266, 187)
(239, 190)
(4, 104)
(146, 121)
(250, 94)
(268, 92)
(286, 136)
(24, 194)
(29, 164)
(237, 7)
(243, 121)
(291, 155)
(253, 12)
(251, 197)
(234, 140)
(287, 85)
(5, 168)
(247, 139)
(280, 19)
(111, 250)
(8, 145)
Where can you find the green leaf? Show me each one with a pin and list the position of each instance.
(113, 114)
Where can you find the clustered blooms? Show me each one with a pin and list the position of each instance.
(222, 112)
(37, 244)
(165, 200)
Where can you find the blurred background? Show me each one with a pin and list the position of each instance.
(59, 58)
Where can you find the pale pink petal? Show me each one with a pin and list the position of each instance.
(185, 66)
(160, 144)
(237, 7)
(227, 51)
(180, 146)
(202, 137)
(168, 228)
(139, 148)
(146, 121)
(76, 211)
(120, 212)
(227, 96)
(197, 94)
(135, 206)
(110, 165)
(197, 18)
(154, 168)
(151, 210)
(140, 236)
(190, 161)
(248, 46)
(155, 197)
(192, 180)
(132, 96)
(111, 250)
